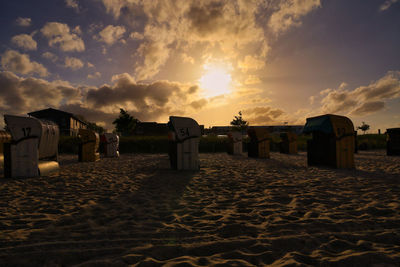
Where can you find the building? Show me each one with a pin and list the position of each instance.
(68, 123)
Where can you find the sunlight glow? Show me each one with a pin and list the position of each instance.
(216, 81)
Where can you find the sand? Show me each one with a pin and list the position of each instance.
(235, 211)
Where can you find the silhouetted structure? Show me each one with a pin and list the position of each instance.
(235, 144)
(259, 143)
(332, 141)
(183, 143)
(355, 142)
(5, 137)
(89, 146)
(68, 123)
(33, 150)
(393, 142)
(110, 142)
(288, 145)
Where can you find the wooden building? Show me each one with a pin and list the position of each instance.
(68, 123)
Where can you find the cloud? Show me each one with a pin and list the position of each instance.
(187, 58)
(312, 100)
(364, 99)
(289, 13)
(73, 63)
(136, 35)
(24, 41)
(59, 34)
(72, 4)
(13, 61)
(231, 30)
(77, 30)
(252, 79)
(198, 104)
(228, 27)
(111, 34)
(255, 101)
(387, 4)
(24, 22)
(50, 56)
(95, 75)
(368, 107)
(21, 95)
(264, 116)
(147, 102)
(250, 63)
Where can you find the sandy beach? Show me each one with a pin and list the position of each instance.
(235, 211)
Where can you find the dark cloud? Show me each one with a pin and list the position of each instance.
(22, 95)
(193, 89)
(147, 102)
(199, 103)
(264, 115)
(180, 26)
(126, 90)
(14, 61)
(205, 18)
(368, 107)
(9, 93)
(364, 99)
(91, 114)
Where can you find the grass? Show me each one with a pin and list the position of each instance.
(208, 144)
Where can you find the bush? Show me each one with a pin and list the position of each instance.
(371, 141)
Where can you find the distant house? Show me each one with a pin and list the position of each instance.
(68, 123)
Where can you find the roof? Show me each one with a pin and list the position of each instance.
(328, 124)
(393, 130)
(320, 123)
(56, 111)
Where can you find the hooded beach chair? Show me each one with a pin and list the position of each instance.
(235, 144)
(183, 143)
(33, 149)
(88, 146)
(332, 141)
(288, 145)
(259, 143)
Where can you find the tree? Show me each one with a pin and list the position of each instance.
(238, 123)
(91, 125)
(125, 123)
(364, 127)
(94, 127)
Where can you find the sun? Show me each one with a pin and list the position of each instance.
(216, 81)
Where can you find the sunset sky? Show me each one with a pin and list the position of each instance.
(276, 61)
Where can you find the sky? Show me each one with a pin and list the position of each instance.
(276, 61)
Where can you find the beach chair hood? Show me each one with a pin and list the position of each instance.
(184, 128)
(46, 131)
(330, 124)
